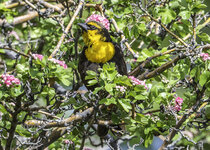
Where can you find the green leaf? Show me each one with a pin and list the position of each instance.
(51, 93)
(204, 78)
(109, 87)
(193, 72)
(144, 120)
(35, 73)
(15, 91)
(51, 21)
(147, 52)
(21, 68)
(135, 31)
(92, 82)
(108, 101)
(103, 76)
(97, 89)
(174, 4)
(114, 1)
(22, 131)
(111, 76)
(126, 32)
(142, 27)
(140, 97)
(167, 15)
(185, 14)
(2, 6)
(197, 6)
(2, 109)
(207, 111)
(205, 37)
(65, 79)
(91, 75)
(148, 140)
(125, 103)
(123, 80)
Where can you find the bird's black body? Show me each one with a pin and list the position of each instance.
(85, 65)
(103, 37)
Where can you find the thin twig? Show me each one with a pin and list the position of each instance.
(136, 71)
(174, 35)
(48, 114)
(14, 50)
(198, 28)
(67, 29)
(182, 120)
(86, 133)
(194, 27)
(148, 33)
(123, 38)
(27, 17)
(165, 66)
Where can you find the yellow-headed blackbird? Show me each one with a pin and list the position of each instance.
(99, 49)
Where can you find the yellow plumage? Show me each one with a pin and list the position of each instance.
(98, 51)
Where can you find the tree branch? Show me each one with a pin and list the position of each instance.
(67, 28)
(162, 25)
(16, 51)
(79, 116)
(123, 38)
(183, 119)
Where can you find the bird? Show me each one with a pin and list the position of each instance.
(99, 49)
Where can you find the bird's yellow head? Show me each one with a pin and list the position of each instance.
(94, 32)
(100, 48)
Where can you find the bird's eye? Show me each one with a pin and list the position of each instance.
(92, 27)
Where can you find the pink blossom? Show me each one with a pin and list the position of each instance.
(178, 103)
(66, 141)
(121, 88)
(133, 60)
(86, 148)
(56, 61)
(37, 56)
(13, 33)
(179, 100)
(136, 81)
(9, 80)
(104, 21)
(61, 63)
(205, 56)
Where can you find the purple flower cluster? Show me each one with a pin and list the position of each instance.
(120, 88)
(178, 103)
(205, 56)
(100, 19)
(136, 81)
(56, 61)
(9, 80)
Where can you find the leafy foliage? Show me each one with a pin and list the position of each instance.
(49, 103)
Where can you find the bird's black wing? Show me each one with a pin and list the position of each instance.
(118, 59)
(85, 65)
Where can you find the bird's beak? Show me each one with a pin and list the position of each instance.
(83, 26)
